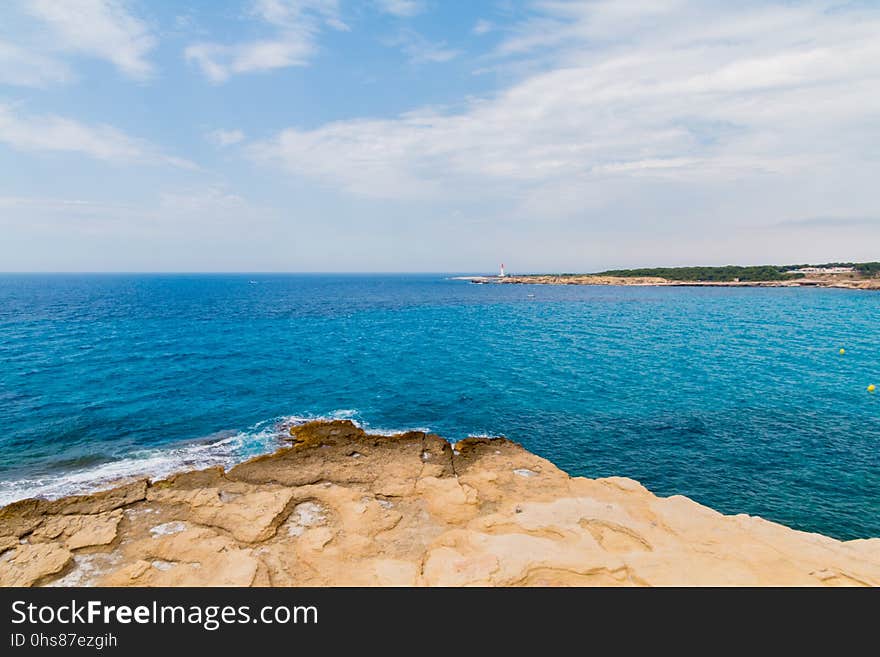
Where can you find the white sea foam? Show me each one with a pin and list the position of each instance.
(160, 462)
(393, 432)
(153, 463)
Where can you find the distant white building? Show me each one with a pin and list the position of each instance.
(822, 270)
(502, 274)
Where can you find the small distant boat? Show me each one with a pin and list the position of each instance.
(252, 282)
(531, 296)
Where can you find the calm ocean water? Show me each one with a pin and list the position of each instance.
(737, 398)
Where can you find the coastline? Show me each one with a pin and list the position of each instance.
(646, 281)
(342, 507)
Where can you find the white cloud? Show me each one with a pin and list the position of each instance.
(99, 28)
(294, 25)
(288, 13)
(401, 8)
(219, 62)
(56, 133)
(27, 68)
(674, 92)
(420, 50)
(482, 27)
(223, 138)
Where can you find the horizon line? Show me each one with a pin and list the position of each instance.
(245, 273)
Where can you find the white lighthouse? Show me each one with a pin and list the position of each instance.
(501, 274)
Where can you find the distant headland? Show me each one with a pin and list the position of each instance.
(851, 275)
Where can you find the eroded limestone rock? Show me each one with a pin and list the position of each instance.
(27, 564)
(343, 508)
(78, 531)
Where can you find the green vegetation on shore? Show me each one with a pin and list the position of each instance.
(717, 274)
(734, 272)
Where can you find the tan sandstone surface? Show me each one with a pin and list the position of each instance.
(340, 507)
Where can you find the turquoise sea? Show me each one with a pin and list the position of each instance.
(737, 398)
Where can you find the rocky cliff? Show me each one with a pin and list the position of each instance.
(340, 507)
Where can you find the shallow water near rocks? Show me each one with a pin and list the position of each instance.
(737, 398)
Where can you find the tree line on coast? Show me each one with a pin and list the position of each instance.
(736, 272)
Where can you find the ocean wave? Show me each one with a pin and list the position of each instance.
(154, 463)
(378, 431)
(224, 449)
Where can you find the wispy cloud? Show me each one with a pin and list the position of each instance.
(294, 28)
(219, 62)
(482, 27)
(105, 29)
(401, 8)
(223, 138)
(629, 92)
(40, 38)
(49, 132)
(28, 68)
(419, 49)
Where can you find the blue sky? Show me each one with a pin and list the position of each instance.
(419, 135)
